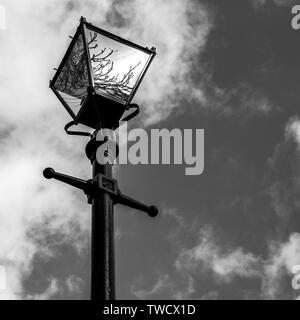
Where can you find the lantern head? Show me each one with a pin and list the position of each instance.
(99, 75)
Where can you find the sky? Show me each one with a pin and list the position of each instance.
(233, 232)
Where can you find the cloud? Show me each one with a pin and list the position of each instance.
(163, 284)
(284, 192)
(206, 255)
(179, 37)
(292, 130)
(228, 264)
(70, 286)
(210, 257)
(185, 292)
(38, 215)
(283, 179)
(51, 290)
(283, 258)
(164, 287)
(242, 100)
(32, 211)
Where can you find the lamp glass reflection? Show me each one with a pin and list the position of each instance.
(72, 81)
(116, 67)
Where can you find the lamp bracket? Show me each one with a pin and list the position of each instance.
(133, 113)
(100, 183)
(76, 133)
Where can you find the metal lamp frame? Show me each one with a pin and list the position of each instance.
(81, 30)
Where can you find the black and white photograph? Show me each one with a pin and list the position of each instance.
(149, 152)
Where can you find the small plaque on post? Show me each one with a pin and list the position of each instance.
(107, 184)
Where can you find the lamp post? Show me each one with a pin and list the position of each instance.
(96, 81)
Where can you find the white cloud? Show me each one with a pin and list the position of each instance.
(50, 291)
(210, 257)
(179, 37)
(248, 101)
(163, 283)
(165, 288)
(29, 41)
(206, 255)
(31, 134)
(283, 258)
(293, 130)
(226, 264)
(185, 292)
(284, 194)
(284, 173)
(71, 285)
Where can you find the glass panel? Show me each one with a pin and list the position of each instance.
(72, 81)
(116, 67)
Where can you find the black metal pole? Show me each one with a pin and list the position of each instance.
(102, 192)
(102, 238)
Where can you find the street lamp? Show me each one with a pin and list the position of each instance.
(99, 75)
(96, 81)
